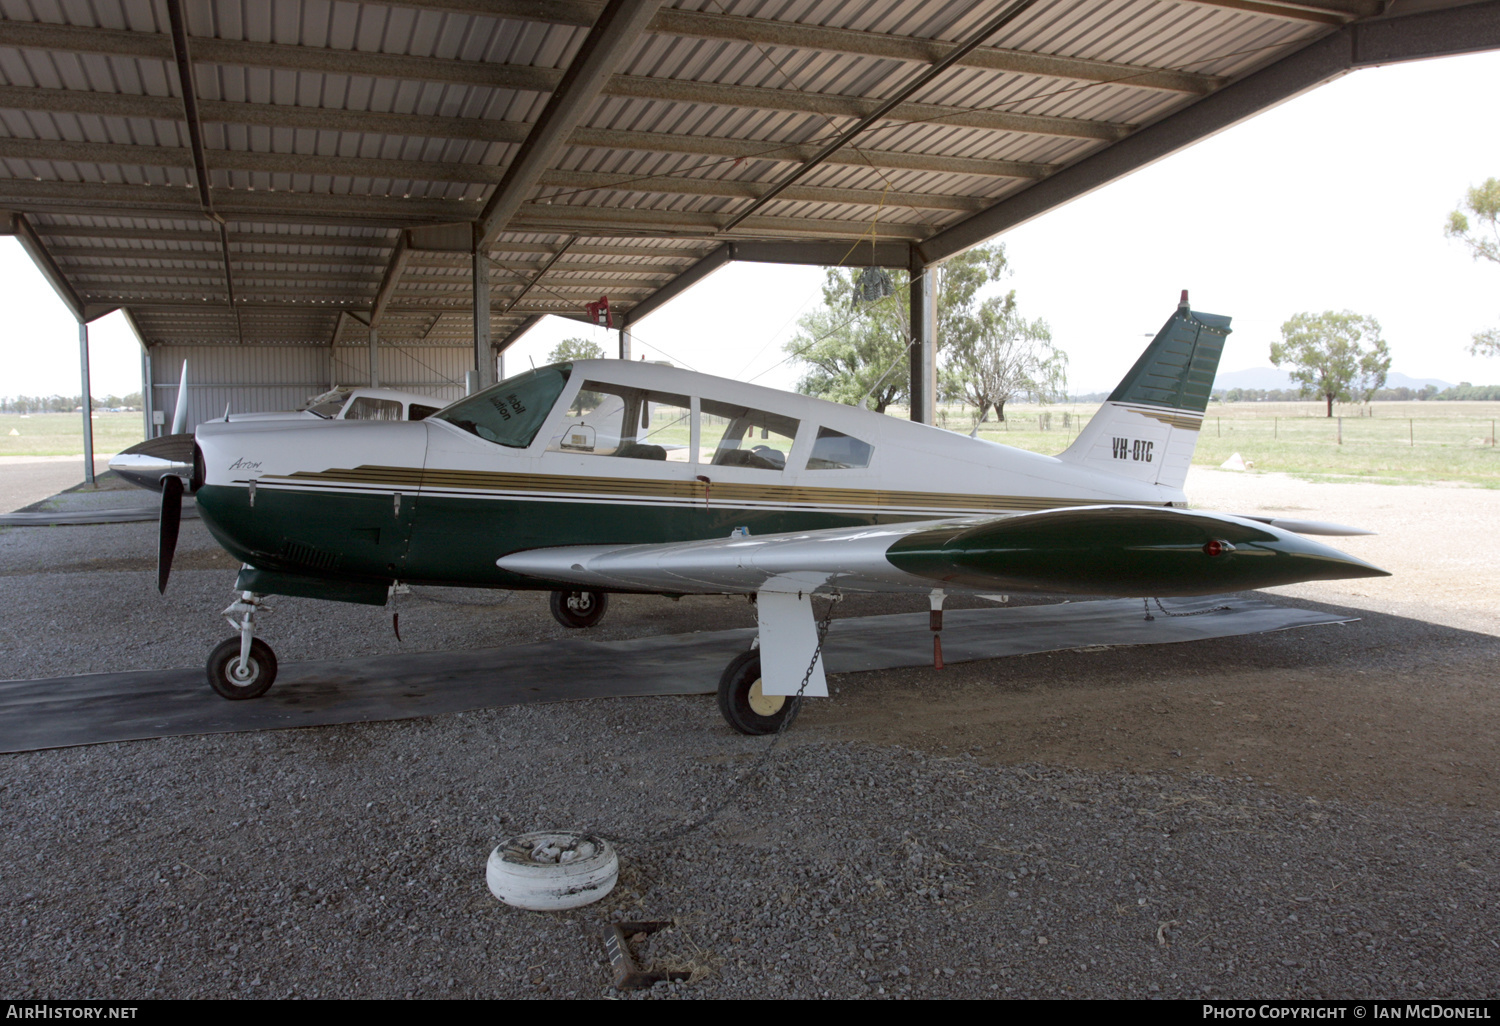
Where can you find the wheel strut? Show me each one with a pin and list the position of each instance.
(248, 604)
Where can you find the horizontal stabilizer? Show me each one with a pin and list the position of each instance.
(1321, 527)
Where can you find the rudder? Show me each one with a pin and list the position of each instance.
(1148, 427)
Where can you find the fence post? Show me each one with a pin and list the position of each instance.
(1341, 430)
(1411, 432)
(1275, 427)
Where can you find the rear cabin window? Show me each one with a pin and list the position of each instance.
(369, 408)
(416, 411)
(743, 437)
(512, 412)
(835, 450)
(631, 423)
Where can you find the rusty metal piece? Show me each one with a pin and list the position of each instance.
(628, 975)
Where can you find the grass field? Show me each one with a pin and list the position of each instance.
(61, 434)
(1402, 443)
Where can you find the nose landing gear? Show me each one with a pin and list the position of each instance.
(242, 667)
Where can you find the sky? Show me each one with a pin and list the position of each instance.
(1334, 200)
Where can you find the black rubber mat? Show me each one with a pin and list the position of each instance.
(100, 707)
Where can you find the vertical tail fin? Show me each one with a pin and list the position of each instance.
(1148, 427)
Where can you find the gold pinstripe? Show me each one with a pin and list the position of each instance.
(412, 478)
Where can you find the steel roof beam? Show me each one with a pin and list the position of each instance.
(322, 119)
(840, 105)
(120, 199)
(680, 284)
(801, 36)
(241, 259)
(680, 186)
(824, 254)
(580, 219)
(612, 36)
(402, 170)
(390, 280)
(796, 36)
(173, 306)
(56, 277)
(576, 12)
(158, 234)
(515, 333)
(886, 106)
(1441, 33)
(529, 79)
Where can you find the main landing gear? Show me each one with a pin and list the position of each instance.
(579, 608)
(745, 706)
(242, 667)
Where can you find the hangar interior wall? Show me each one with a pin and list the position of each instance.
(251, 379)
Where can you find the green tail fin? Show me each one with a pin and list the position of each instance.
(1177, 369)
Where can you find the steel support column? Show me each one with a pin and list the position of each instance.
(624, 341)
(374, 357)
(923, 351)
(88, 405)
(484, 352)
(148, 401)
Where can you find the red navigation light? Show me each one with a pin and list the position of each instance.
(1216, 547)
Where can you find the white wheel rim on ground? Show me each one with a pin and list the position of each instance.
(518, 879)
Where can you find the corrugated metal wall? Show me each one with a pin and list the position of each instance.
(250, 379)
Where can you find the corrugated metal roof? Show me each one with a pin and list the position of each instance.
(329, 128)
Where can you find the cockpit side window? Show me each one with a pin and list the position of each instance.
(747, 437)
(512, 412)
(633, 423)
(835, 450)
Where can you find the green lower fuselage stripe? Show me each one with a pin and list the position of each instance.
(455, 540)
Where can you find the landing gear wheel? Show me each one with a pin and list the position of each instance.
(745, 706)
(235, 682)
(579, 608)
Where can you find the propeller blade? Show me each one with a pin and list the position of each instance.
(180, 414)
(171, 520)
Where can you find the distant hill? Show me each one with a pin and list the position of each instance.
(1270, 377)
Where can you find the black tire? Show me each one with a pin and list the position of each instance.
(579, 608)
(739, 695)
(262, 670)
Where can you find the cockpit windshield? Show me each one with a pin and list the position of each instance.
(512, 412)
(328, 404)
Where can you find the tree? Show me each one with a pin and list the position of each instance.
(857, 349)
(1010, 358)
(570, 349)
(1334, 355)
(993, 354)
(1483, 242)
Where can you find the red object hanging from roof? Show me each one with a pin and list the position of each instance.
(599, 312)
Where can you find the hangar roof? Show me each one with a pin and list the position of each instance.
(332, 162)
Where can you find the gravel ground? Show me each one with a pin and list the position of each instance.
(957, 835)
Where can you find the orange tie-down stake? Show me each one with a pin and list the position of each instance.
(935, 622)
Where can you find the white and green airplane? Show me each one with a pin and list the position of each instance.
(604, 476)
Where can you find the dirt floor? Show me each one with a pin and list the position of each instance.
(1402, 707)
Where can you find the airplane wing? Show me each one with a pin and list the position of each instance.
(1123, 550)
(1117, 550)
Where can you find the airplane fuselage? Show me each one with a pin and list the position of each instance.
(644, 456)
